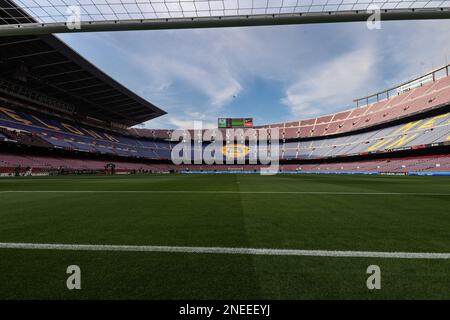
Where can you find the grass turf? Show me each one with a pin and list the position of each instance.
(412, 223)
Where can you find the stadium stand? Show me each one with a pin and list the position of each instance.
(24, 138)
(420, 133)
(429, 96)
(422, 164)
(32, 129)
(58, 111)
(10, 161)
(41, 130)
(414, 164)
(25, 128)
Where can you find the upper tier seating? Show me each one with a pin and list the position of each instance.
(426, 97)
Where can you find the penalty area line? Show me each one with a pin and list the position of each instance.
(224, 250)
(232, 192)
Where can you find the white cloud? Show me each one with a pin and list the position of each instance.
(332, 84)
(183, 58)
(414, 51)
(195, 74)
(373, 61)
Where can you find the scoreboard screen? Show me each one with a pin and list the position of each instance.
(224, 123)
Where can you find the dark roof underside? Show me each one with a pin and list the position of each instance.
(54, 69)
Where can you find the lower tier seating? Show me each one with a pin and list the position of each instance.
(9, 162)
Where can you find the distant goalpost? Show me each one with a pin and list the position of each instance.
(32, 17)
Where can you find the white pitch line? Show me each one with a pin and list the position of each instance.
(221, 250)
(231, 192)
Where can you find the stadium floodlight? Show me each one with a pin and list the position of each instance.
(25, 17)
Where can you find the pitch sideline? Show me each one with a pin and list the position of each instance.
(224, 250)
(231, 192)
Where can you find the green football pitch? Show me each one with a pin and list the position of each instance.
(334, 214)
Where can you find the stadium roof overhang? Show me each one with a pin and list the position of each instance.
(56, 16)
(47, 65)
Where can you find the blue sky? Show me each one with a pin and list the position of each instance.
(272, 74)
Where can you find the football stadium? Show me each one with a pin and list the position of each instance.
(300, 209)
